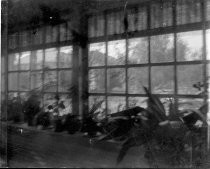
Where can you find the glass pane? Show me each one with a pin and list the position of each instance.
(51, 58)
(97, 52)
(100, 25)
(208, 10)
(110, 23)
(208, 43)
(162, 48)
(67, 102)
(116, 104)
(36, 80)
(69, 31)
(48, 37)
(49, 99)
(94, 100)
(91, 27)
(161, 14)
(137, 101)
(116, 52)
(24, 81)
(38, 36)
(138, 50)
(118, 21)
(190, 103)
(116, 80)
(24, 38)
(189, 46)
(142, 18)
(188, 11)
(162, 78)
(97, 80)
(50, 81)
(137, 78)
(13, 81)
(64, 80)
(37, 59)
(188, 77)
(13, 61)
(54, 34)
(13, 41)
(25, 61)
(63, 32)
(65, 57)
(132, 16)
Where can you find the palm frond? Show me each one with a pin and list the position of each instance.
(155, 105)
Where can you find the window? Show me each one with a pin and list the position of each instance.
(168, 62)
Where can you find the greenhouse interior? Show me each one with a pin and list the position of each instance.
(105, 83)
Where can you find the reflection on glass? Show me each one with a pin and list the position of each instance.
(137, 101)
(25, 61)
(96, 56)
(24, 81)
(188, 77)
(50, 81)
(138, 50)
(13, 61)
(116, 104)
(208, 43)
(94, 100)
(162, 48)
(189, 46)
(51, 58)
(137, 78)
(97, 80)
(49, 99)
(13, 81)
(116, 52)
(190, 103)
(36, 80)
(36, 59)
(162, 78)
(116, 80)
(64, 80)
(65, 57)
(67, 102)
